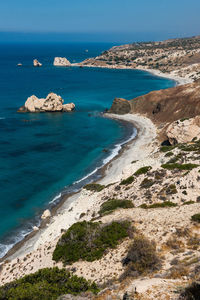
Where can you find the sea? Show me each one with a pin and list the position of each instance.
(44, 156)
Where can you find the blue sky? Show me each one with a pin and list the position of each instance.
(122, 19)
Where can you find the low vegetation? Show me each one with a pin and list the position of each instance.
(113, 204)
(146, 183)
(192, 292)
(173, 166)
(127, 181)
(188, 202)
(95, 187)
(141, 258)
(196, 218)
(159, 205)
(46, 284)
(167, 148)
(142, 170)
(88, 241)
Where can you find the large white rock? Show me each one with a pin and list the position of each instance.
(68, 107)
(184, 131)
(61, 62)
(51, 103)
(46, 214)
(36, 63)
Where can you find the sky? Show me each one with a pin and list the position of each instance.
(106, 20)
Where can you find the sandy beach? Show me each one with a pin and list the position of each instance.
(83, 202)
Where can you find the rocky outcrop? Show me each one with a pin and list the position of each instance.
(120, 106)
(183, 131)
(46, 214)
(52, 103)
(36, 63)
(164, 106)
(61, 62)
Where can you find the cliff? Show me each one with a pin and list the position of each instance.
(164, 106)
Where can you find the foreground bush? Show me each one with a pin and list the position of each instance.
(110, 205)
(196, 218)
(142, 170)
(46, 284)
(191, 292)
(141, 257)
(88, 241)
(159, 205)
(174, 166)
(95, 187)
(127, 181)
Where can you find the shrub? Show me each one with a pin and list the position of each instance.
(167, 148)
(188, 202)
(127, 181)
(88, 241)
(159, 205)
(179, 166)
(46, 284)
(146, 183)
(141, 257)
(196, 218)
(143, 170)
(112, 204)
(191, 292)
(95, 187)
(168, 154)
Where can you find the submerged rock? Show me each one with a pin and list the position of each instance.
(52, 103)
(36, 63)
(61, 62)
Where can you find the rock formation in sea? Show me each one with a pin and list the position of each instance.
(19, 64)
(36, 63)
(52, 103)
(61, 62)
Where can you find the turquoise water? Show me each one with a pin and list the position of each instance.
(42, 155)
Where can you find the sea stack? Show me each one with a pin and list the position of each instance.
(52, 103)
(61, 62)
(19, 64)
(36, 63)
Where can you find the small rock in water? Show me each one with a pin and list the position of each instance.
(35, 228)
(36, 63)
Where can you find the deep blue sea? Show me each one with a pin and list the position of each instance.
(42, 155)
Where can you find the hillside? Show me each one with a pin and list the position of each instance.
(179, 57)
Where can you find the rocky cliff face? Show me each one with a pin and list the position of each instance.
(52, 103)
(165, 105)
(184, 131)
(61, 62)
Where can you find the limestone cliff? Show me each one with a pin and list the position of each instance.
(61, 62)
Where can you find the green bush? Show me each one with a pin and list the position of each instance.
(179, 166)
(146, 183)
(143, 170)
(168, 154)
(188, 202)
(46, 284)
(196, 218)
(88, 241)
(127, 181)
(141, 257)
(112, 204)
(159, 205)
(167, 148)
(95, 187)
(192, 292)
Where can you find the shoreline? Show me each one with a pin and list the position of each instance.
(64, 199)
(158, 73)
(102, 170)
(73, 206)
